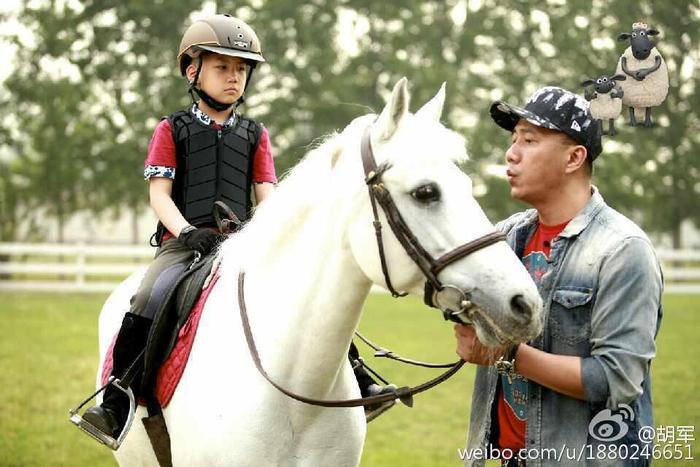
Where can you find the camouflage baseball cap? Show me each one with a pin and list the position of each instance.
(557, 109)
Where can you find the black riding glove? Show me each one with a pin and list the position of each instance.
(202, 240)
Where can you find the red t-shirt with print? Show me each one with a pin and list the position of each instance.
(512, 396)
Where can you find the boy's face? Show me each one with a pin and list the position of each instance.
(222, 77)
(537, 162)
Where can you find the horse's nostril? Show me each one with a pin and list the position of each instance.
(521, 307)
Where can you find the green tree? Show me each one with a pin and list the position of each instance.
(330, 61)
(654, 174)
(89, 83)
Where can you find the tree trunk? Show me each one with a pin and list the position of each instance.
(60, 221)
(134, 224)
(676, 237)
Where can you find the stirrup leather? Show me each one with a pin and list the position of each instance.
(371, 414)
(77, 419)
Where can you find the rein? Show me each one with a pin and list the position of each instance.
(386, 353)
(431, 267)
(404, 394)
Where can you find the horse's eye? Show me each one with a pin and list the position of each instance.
(427, 193)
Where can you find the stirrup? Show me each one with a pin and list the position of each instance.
(77, 419)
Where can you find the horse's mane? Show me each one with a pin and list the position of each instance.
(305, 185)
(294, 197)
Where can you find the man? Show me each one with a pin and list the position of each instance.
(601, 285)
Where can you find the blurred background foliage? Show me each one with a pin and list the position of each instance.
(90, 79)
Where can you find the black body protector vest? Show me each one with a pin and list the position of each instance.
(212, 165)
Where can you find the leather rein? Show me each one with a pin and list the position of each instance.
(431, 267)
(404, 394)
(428, 265)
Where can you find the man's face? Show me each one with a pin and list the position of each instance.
(537, 160)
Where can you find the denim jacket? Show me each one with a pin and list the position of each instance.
(602, 302)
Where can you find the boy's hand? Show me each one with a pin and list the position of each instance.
(201, 240)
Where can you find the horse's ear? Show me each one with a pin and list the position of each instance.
(393, 112)
(432, 109)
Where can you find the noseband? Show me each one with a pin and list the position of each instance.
(430, 266)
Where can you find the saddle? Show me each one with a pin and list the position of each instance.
(171, 336)
(175, 308)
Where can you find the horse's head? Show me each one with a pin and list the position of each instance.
(416, 170)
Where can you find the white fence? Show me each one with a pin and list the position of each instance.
(46, 267)
(38, 267)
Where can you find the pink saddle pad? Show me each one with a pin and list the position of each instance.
(171, 371)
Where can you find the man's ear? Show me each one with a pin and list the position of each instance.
(577, 158)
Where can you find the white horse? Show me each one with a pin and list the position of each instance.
(310, 257)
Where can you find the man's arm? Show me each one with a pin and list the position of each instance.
(561, 373)
(623, 327)
(623, 324)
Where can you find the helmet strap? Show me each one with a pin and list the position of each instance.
(210, 101)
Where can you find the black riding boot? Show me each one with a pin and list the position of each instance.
(368, 386)
(110, 417)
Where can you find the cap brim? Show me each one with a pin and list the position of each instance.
(506, 116)
(232, 52)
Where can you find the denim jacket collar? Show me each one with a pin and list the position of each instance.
(577, 224)
(585, 216)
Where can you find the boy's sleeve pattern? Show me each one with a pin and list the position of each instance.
(263, 164)
(161, 161)
(158, 171)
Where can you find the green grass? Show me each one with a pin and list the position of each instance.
(48, 357)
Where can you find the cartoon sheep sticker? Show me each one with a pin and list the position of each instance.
(642, 63)
(605, 100)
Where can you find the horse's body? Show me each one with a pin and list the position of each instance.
(310, 258)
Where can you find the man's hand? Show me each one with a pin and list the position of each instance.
(471, 350)
(201, 240)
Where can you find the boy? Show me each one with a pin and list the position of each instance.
(197, 157)
(189, 167)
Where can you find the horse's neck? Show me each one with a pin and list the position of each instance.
(305, 305)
